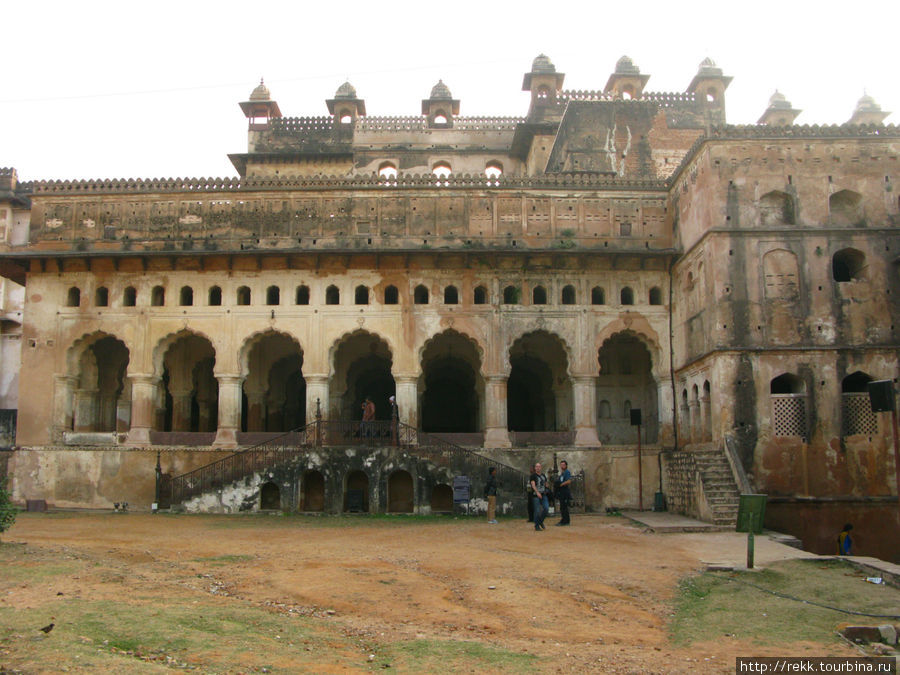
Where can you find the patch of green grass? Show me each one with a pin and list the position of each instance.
(124, 637)
(433, 656)
(717, 604)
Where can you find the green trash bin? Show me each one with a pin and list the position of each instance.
(755, 505)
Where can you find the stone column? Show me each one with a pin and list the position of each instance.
(584, 390)
(256, 409)
(123, 414)
(181, 409)
(229, 411)
(496, 434)
(85, 410)
(407, 387)
(143, 408)
(63, 395)
(316, 388)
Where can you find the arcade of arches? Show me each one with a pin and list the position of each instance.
(451, 393)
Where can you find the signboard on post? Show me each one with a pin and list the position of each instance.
(751, 507)
(462, 487)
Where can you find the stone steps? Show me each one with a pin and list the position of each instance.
(719, 488)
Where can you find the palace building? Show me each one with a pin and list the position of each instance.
(522, 285)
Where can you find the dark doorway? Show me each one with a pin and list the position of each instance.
(451, 386)
(362, 368)
(400, 493)
(356, 498)
(313, 491)
(442, 499)
(269, 497)
(538, 392)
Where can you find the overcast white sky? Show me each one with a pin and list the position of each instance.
(117, 89)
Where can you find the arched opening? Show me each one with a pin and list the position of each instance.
(391, 295)
(302, 295)
(420, 295)
(189, 392)
(440, 117)
(387, 171)
(356, 496)
(493, 170)
(361, 295)
(101, 398)
(273, 295)
(656, 296)
(539, 295)
(845, 207)
(158, 296)
(243, 295)
(626, 375)
(856, 409)
(776, 208)
(361, 368)
(568, 295)
(442, 499)
(848, 265)
(73, 297)
(313, 491)
(510, 295)
(451, 295)
(269, 497)
(332, 295)
(598, 296)
(274, 389)
(129, 297)
(101, 297)
(441, 169)
(451, 386)
(346, 118)
(186, 296)
(215, 296)
(626, 297)
(539, 391)
(400, 495)
(788, 394)
(479, 295)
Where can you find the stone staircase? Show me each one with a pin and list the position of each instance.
(719, 487)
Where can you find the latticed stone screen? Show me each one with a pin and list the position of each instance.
(858, 416)
(789, 414)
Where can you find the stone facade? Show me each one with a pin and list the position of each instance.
(514, 281)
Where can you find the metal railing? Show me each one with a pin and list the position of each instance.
(341, 433)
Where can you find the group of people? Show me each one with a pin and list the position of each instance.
(540, 494)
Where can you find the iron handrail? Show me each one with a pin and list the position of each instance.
(294, 443)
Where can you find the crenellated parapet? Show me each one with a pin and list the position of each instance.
(354, 182)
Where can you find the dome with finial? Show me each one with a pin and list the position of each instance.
(625, 66)
(440, 90)
(542, 64)
(778, 100)
(867, 104)
(708, 68)
(346, 90)
(261, 93)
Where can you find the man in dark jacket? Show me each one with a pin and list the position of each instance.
(563, 492)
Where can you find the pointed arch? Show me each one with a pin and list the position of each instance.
(451, 383)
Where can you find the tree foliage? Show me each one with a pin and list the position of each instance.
(7, 510)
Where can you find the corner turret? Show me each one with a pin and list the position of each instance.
(709, 85)
(780, 113)
(867, 112)
(440, 107)
(626, 81)
(544, 83)
(346, 106)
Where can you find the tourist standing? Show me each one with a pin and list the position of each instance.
(395, 419)
(490, 492)
(368, 419)
(564, 493)
(538, 483)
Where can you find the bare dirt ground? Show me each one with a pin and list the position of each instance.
(594, 597)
